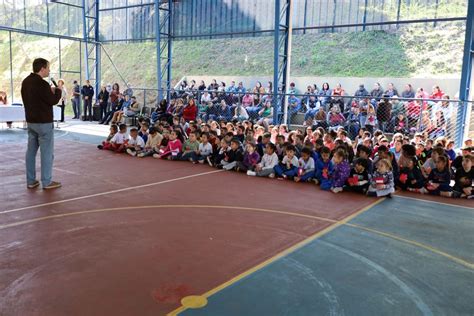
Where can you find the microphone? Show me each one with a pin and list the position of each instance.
(54, 82)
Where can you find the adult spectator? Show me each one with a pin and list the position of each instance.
(4, 101)
(114, 95)
(384, 109)
(87, 94)
(292, 88)
(397, 107)
(213, 86)
(205, 97)
(202, 86)
(76, 100)
(116, 106)
(241, 89)
(3, 98)
(231, 88)
(377, 92)
(266, 115)
(62, 101)
(400, 123)
(247, 100)
(222, 87)
(240, 113)
(360, 94)
(437, 93)
(312, 107)
(38, 98)
(294, 106)
(190, 111)
(103, 101)
(258, 91)
(224, 112)
(391, 91)
(325, 95)
(408, 93)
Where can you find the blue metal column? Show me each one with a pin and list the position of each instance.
(163, 30)
(98, 60)
(11, 67)
(282, 52)
(90, 13)
(466, 75)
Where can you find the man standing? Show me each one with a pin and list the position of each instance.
(39, 98)
(76, 100)
(87, 94)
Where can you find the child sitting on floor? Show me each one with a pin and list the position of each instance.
(204, 149)
(382, 183)
(324, 169)
(220, 153)
(233, 155)
(190, 148)
(464, 177)
(268, 162)
(106, 142)
(153, 143)
(172, 149)
(410, 176)
(364, 152)
(288, 168)
(438, 179)
(119, 140)
(306, 166)
(341, 171)
(251, 158)
(358, 180)
(135, 143)
(430, 163)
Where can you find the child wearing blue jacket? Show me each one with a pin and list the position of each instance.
(288, 168)
(324, 169)
(306, 168)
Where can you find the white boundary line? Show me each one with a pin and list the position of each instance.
(429, 201)
(110, 192)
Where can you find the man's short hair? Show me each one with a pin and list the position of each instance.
(39, 63)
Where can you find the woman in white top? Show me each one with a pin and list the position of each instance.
(62, 101)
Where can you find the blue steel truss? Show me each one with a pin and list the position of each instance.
(281, 51)
(163, 33)
(466, 74)
(92, 60)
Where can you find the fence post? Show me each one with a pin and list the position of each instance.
(364, 21)
(466, 74)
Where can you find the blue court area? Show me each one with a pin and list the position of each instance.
(401, 257)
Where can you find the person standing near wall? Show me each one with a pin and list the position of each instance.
(76, 100)
(39, 98)
(62, 101)
(87, 94)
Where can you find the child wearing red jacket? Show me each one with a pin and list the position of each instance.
(190, 111)
(172, 150)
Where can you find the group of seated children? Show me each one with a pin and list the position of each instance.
(370, 165)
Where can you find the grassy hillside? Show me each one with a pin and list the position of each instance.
(407, 52)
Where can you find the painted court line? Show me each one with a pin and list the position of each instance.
(22, 161)
(414, 243)
(279, 255)
(126, 208)
(344, 222)
(430, 201)
(111, 192)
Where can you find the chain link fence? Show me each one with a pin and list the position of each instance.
(408, 116)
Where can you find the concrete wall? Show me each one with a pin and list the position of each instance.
(350, 84)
